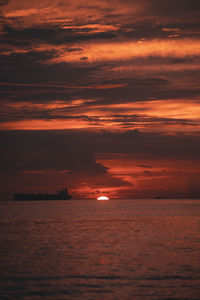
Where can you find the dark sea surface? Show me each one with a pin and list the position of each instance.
(116, 249)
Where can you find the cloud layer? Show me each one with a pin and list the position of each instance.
(121, 78)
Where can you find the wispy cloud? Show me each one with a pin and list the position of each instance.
(129, 50)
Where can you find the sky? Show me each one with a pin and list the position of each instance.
(100, 96)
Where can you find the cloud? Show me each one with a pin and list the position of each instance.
(166, 115)
(48, 160)
(117, 51)
(117, 10)
(122, 77)
(130, 164)
(75, 151)
(46, 151)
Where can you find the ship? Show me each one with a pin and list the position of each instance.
(61, 195)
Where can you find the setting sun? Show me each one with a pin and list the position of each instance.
(102, 198)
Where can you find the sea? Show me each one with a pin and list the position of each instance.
(89, 249)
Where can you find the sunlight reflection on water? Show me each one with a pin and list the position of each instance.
(127, 249)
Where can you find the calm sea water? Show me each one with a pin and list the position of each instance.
(117, 249)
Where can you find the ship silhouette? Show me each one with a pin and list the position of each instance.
(61, 195)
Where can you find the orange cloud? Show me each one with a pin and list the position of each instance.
(45, 125)
(92, 11)
(173, 108)
(170, 29)
(91, 28)
(152, 177)
(63, 12)
(154, 68)
(124, 51)
(166, 115)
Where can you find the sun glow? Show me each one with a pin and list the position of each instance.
(102, 198)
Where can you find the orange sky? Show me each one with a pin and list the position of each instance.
(120, 78)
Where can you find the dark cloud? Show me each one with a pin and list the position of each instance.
(26, 68)
(37, 153)
(51, 34)
(55, 149)
(152, 145)
(46, 151)
(50, 159)
(175, 9)
(165, 10)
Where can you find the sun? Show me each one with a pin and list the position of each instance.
(102, 198)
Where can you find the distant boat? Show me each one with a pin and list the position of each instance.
(159, 197)
(61, 195)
